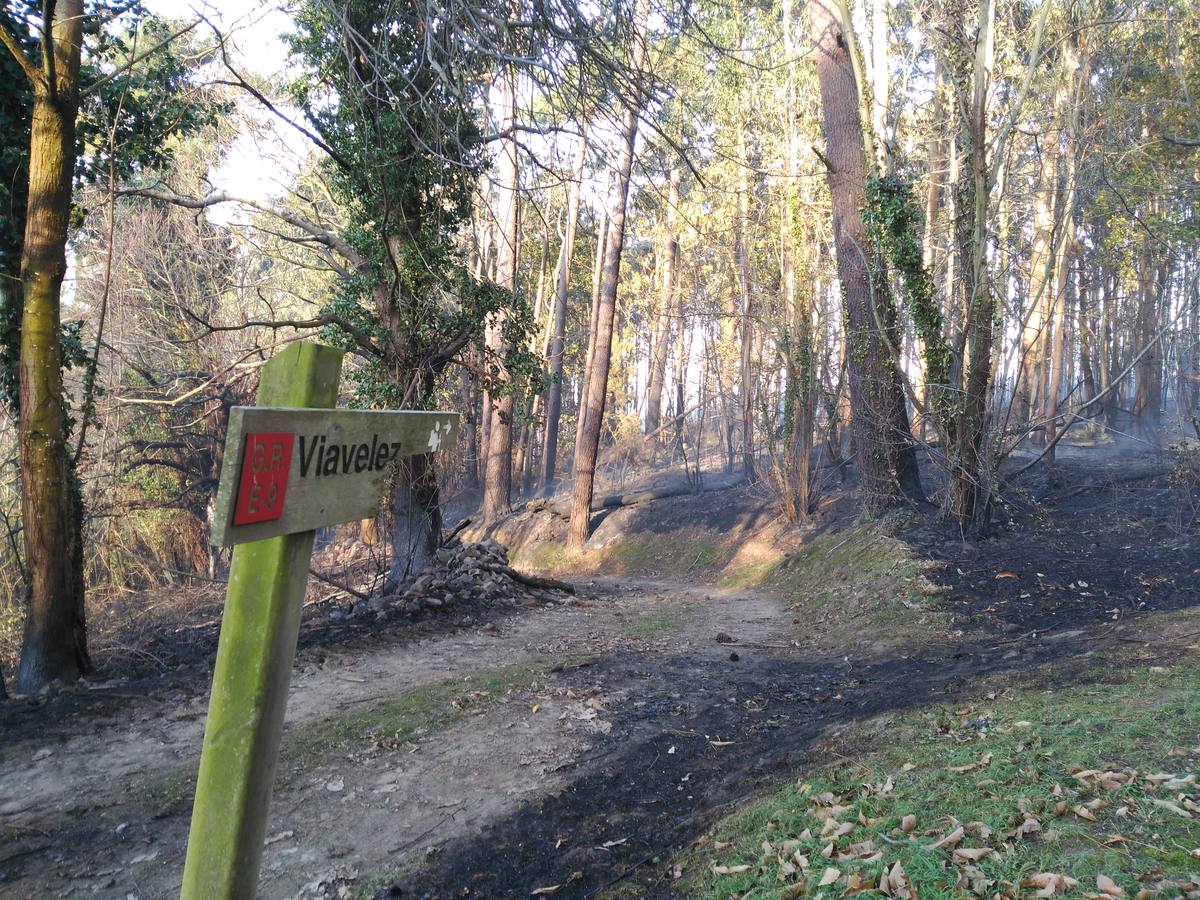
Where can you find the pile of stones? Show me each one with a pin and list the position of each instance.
(467, 572)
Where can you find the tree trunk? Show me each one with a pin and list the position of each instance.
(558, 337)
(872, 373)
(55, 644)
(682, 343)
(666, 307)
(970, 472)
(747, 375)
(417, 514)
(588, 446)
(470, 435)
(497, 485)
(593, 318)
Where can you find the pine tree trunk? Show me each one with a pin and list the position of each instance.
(596, 389)
(55, 645)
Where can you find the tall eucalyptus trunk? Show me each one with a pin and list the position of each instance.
(497, 485)
(660, 350)
(558, 335)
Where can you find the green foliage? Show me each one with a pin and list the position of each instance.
(893, 220)
(406, 149)
(16, 105)
(128, 120)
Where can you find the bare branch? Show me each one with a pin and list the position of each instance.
(137, 58)
(313, 230)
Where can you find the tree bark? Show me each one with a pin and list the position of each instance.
(55, 645)
(968, 490)
(593, 317)
(588, 446)
(558, 338)
(747, 375)
(872, 372)
(666, 307)
(470, 438)
(497, 485)
(417, 515)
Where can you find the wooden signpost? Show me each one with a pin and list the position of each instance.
(292, 465)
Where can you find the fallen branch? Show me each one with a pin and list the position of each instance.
(635, 498)
(337, 584)
(536, 581)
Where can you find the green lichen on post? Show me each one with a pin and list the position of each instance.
(254, 662)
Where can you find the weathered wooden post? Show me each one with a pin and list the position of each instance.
(292, 464)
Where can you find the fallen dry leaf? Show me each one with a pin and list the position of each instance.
(730, 870)
(971, 854)
(984, 760)
(542, 891)
(829, 876)
(1049, 883)
(1167, 805)
(1108, 887)
(950, 840)
(1028, 827)
(908, 824)
(894, 881)
(1084, 813)
(980, 830)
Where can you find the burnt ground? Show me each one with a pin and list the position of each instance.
(1060, 585)
(706, 698)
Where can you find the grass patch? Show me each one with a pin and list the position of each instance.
(863, 581)
(659, 621)
(650, 556)
(384, 725)
(400, 719)
(1068, 782)
(675, 557)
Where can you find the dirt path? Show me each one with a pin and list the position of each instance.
(576, 746)
(112, 773)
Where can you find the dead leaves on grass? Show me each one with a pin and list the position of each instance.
(969, 849)
(982, 762)
(1049, 884)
